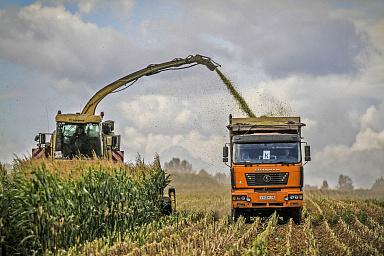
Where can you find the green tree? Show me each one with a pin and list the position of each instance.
(378, 185)
(177, 165)
(325, 185)
(222, 178)
(345, 183)
(203, 173)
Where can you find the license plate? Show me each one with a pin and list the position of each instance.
(267, 197)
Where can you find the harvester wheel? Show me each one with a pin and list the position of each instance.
(172, 197)
(166, 206)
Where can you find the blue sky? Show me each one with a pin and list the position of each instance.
(320, 60)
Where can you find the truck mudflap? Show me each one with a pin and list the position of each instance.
(267, 199)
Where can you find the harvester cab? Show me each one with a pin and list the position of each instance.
(87, 136)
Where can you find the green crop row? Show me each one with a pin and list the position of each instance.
(42, 212)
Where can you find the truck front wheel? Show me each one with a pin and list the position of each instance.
(235, 214)
(296, 215)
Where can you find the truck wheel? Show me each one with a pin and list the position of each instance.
(296, 215)
(286, 216)
(166, 206)
(235, 214)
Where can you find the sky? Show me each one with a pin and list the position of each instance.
(321, 60)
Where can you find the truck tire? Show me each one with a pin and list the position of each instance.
(235, 214)
(166, 206)
(286, 216)
(296, 215)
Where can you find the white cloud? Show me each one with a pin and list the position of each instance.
(362, 160)
(156, 112)
(369, 140)
(51, 40)
(373, 118)
(86, 6)
(286, 38)
(197, 145)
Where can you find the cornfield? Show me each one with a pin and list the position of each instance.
(44, 210)
(97, 218)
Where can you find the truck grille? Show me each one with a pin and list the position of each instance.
(265, 179)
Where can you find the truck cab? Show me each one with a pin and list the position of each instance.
(266, 166)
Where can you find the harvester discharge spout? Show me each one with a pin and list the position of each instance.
(175, 64)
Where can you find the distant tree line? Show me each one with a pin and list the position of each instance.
(345, 184)
(176, 165)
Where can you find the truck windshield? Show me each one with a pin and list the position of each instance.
(267, 153)
(78, 139)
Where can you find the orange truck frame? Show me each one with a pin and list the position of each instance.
(266, 166)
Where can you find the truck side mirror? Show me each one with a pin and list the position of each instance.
(225, 154)
(307, 153)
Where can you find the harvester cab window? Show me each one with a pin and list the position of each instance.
(267, 153)
(78, 139)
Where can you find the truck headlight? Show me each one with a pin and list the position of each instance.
(241, 198)
(295, 197)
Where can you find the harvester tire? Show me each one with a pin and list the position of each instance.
(166, 207)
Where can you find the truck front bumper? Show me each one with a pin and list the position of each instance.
(279, 199)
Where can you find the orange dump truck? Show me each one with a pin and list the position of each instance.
(265, 160)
